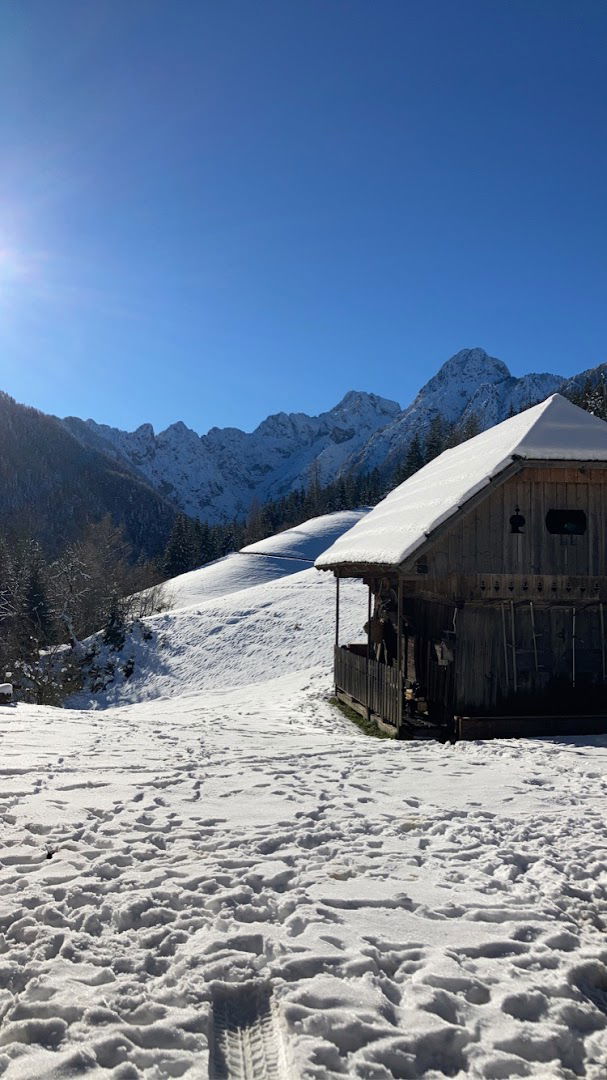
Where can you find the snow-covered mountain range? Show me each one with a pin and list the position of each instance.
(218, 476)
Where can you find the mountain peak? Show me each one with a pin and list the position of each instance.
(145, 431)
(179, 434)
(357, 401)
(472, 363)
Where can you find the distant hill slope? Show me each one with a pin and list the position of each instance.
(218, 476)
(268, 560)
(308, 540)
(51, 485)
(254, 615)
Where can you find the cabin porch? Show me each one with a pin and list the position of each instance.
(379, 677)
(432, 668)
(375, 689)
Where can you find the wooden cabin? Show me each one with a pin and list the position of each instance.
(487, 586)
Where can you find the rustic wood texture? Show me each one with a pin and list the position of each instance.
(517, 727)
(523, 613)
(490, 588)
(374, 685)
(479, 541)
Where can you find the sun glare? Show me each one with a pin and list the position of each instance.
(13, 264)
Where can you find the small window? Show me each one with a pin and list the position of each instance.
(566, 522)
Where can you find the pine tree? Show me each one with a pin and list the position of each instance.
(179, 555)
(436, 438)
(36, 607)
(593, 397)
(466, 429)
(115, 630)
(413, 460)
(204, 551)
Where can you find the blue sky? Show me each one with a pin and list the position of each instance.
(213, 211)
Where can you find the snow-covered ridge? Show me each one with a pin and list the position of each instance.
(470, 384)
(266, 561)
(219, 475)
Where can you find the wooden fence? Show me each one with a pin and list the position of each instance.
(374, 685)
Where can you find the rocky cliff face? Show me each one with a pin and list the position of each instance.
(471, 383)
(219, 475)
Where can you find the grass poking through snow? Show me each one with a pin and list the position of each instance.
(368, 727)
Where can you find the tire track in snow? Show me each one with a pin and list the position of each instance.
(247, 1042)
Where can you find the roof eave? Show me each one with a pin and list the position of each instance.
(513, 464)
(359, 570)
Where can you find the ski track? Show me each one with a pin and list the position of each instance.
(395, 910)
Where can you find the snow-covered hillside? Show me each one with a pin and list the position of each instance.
(229, 620)
(275, 557)
(219, 475)
(217, 875)
(246, 637)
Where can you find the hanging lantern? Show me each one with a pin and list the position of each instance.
(517, 521)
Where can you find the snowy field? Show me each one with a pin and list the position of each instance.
(215, 875)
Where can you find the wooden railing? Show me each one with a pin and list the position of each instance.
(372, 684)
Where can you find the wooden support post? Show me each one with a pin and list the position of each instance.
(534, 635)
(602, 615)
(505, 644)
(336, 660)
(399, 655)
(368, 702)
(573, 647)
(514, 671)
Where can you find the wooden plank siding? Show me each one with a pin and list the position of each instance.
(480, 540)
(560, 673)
(507, 585)
(497, 624)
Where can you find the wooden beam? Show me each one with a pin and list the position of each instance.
(582, 466)
(369, 654)
(399, 660)
(528, 727)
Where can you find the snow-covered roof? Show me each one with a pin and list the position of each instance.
(553, 430)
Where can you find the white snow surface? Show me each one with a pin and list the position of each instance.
(215, 874)
(236, 640)
(309, 540)
(553, 430)
(267, 560)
